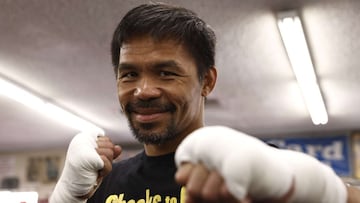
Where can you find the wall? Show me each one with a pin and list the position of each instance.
(38, 171)
(35, 171)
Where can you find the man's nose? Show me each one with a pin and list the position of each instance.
(147, 89)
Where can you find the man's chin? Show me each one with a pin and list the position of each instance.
(153, 133)
(150, 139)
(155, 136)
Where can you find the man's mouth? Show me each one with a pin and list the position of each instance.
(149, 111)
(146, 115)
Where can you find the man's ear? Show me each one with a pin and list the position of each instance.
(209, 81)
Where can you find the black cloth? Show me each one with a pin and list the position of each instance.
(141, 179)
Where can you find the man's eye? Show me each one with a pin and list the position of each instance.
(166, 73)
(128, 75)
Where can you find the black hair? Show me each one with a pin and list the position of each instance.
(161, 22)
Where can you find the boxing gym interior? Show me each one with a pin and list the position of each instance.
(56, 53)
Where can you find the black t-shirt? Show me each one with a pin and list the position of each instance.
(141, 179)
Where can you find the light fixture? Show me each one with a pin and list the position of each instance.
(15, 197)
(42, 106)
(297, 50)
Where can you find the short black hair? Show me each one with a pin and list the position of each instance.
(163, 21)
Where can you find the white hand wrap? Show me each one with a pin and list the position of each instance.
(80, 171)
(251, 167)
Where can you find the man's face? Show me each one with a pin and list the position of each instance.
(159, 90)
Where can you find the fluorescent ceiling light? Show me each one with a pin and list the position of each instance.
(297, 50)
(15, 197)
(50, 110)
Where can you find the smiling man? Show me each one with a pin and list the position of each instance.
(164, 62)
(160, 92)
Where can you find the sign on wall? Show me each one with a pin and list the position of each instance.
(356, 151)
(333, 151)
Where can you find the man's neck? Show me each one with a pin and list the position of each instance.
(171, 145)
(164, 148)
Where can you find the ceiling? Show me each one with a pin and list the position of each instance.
(59, 49)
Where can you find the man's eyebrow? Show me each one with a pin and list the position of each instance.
(126, 66)
(164, 64)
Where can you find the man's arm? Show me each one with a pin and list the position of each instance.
(250, 168)
(209, 186)
(203, 185)
(88, 160)
(353, 194)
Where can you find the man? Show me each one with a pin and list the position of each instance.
(163, 58)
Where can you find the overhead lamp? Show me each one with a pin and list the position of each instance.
(15, 197)
(294, 40)
(52, 111)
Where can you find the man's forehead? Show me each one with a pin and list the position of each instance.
(140, 47)
(149, 41)
(144, 46)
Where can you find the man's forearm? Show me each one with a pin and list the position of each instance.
(353, 194)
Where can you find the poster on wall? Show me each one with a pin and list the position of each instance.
(356, 152)
(44, 169)
(8, 177)
(7, 166)
(331, 150)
